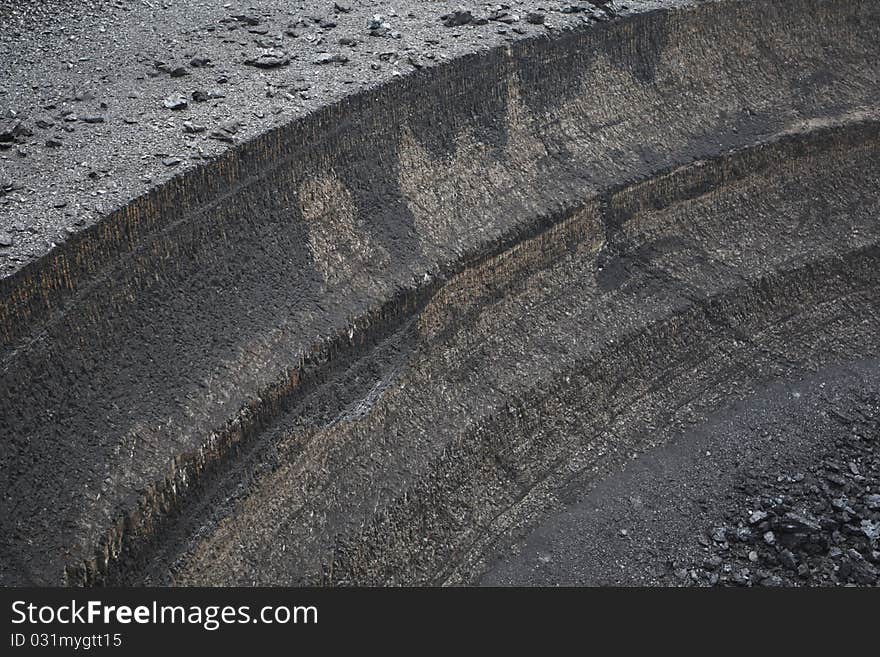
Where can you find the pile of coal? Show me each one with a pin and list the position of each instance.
(820, 527)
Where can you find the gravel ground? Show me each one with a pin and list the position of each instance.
(779, 489)
(100, 101)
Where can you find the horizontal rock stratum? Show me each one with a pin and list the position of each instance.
(369, 345)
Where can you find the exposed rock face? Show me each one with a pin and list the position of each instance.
(421, 308)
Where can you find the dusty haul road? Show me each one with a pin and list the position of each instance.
(594, 299)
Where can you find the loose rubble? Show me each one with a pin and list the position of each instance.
(819, 527)
(457, 18)
(176, 102)
(13, 131)
(334, 58)
(269, 58)
(226, 132)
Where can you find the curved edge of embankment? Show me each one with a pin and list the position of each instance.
(562, 120)
(44, 286)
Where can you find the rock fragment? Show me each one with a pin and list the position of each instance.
(269, 58)
(793, 522)
(535, 18)
(758, 516)
(175, 102)
(457, 18)
(331, 58)
(193, 128)
(502, 15)
(246, 19)
(13, 131)
(225, 132)
(377, 26)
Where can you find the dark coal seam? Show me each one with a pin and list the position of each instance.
(245, 457)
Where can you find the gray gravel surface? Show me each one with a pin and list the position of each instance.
(100, 101)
